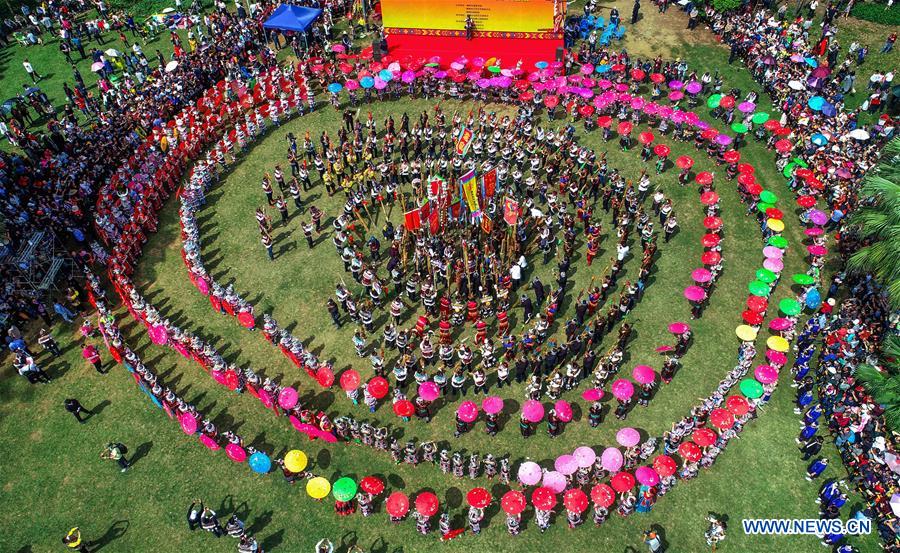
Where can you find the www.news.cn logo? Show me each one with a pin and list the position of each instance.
(806, 526)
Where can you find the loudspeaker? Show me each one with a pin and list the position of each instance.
(560, 54)
(376, 50)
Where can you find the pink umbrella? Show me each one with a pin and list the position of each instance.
(776, 357)
(408, 76)
(352, 85)
(592, 394)
(679, 327)
(643, 374)
(566, 464)
(817, 250)
(554, 480)
(774, 265)
(814, 231)
(628, 437)
(766, 374)
(563, 410)
(646, 476)
(533, 410)
(818, 217)
(676, 95)
(611, 459)
(429, 391)
(585, 456)
(492, 405)
(529, 473)
(701, 275)
(467, 411)
(236, 453)
(695, 293)
(781, 323)
(772, 252)
(622, 389)
(746, 107)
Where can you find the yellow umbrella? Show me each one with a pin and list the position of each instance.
(777, 343)
(318, 487)
(746, 333)
(295, 460)
(775, 224)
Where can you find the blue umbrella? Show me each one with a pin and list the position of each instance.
(811, 62)
(334, 88)
(829, 110)
(385, 75)
(816, 103)
(541, 65)
(367, 82)
(819, 139)
(603, 68)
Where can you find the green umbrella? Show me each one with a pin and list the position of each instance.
(494, 69)
(432, 64)
(344, 489)
(768, 197)
(763, 206)
(739, 128)
(800, 162)
(789, 306)
(760, 117)
(789, 169)
(751, 388)
(765, 275)
(758, 288)
(713, 101)
(803, 278)
(778, 241)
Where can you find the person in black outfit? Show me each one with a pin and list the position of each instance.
(193, 514)
(538, 288)
(334, 312)
(527, 306)
(635, 12)
(76, 408)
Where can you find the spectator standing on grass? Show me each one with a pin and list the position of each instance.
(25, 366)
(193, 516)
(76, 408)
(116, 452)
(210, 522)
(90, 353)
(48, 343)
(35, 77)
(73, 541)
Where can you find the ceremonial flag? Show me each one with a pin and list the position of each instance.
(455, 209)
(435, 221)
(470, 190)
(510, 211)
(413, 220)
(463, 141)
(425, 210)
(487, 225)
(489, 183)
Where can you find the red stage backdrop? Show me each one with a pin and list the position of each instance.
(510, 30)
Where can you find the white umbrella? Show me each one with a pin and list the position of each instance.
(796, 85)
(892, 462)
(537, 213)
(859, 134)
(113, 53)
(168, 10)
(895, 503)
(171, 66)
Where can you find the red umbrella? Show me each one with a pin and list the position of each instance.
(738, 405)
(806, 201)
(783, 131)
(603, 495)
(721, 418)
(586, 111)
(378, 387)
(478, 498)
(665, 465)
(625, 127)
(710, 240)
(709, 197)
(771, 125)
(731, 156)
(427, 504)
(684, 162)
(622, 481)
(618, 67)
(704, 437)
(661, 150)
(784, 146)
(646, 137)
(704, 177)
(757, 304)
(397, 504)
(753, 189)
(752, 317)
(774, 213)
(745, 168)
(814, 183)
(709, 134)
(404, 408)
(551, 101)
(745, 179)
(657, 77)
(690, 451)
(804, 173)
(513, 502)
(604, 121)
(526, 96)
(372, 485)
(712, 223)
(638, 74)
(575, 500)
(710, 258)
(543, 498)
(727, 102)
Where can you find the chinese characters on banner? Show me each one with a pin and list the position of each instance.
(469, 185)
(510, 211)
(463, 141)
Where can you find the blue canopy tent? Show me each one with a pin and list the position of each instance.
(292, 18)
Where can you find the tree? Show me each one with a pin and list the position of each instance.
(878, 223)
(884, 384)
(726, 5)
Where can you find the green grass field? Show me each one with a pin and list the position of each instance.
(53, 478)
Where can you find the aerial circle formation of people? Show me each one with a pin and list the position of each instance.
(490, 235)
